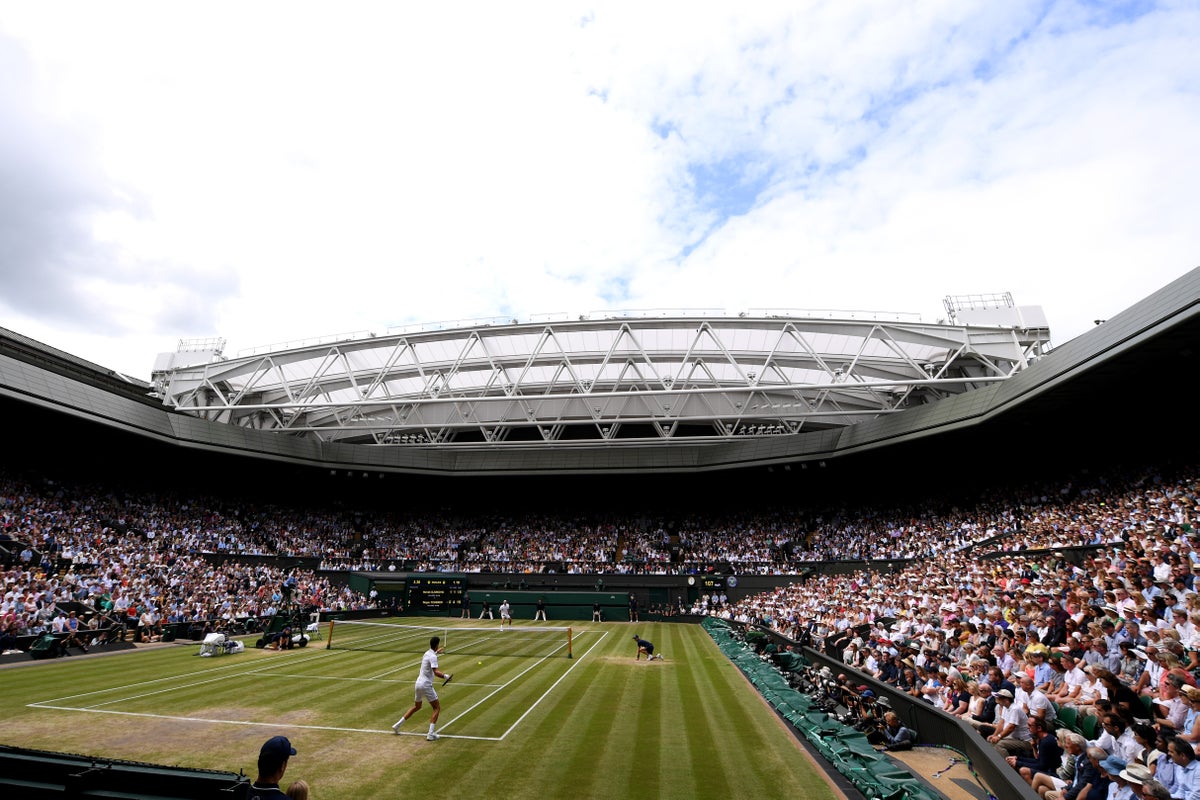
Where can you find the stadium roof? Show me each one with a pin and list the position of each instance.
(621, 379)
(667, 388)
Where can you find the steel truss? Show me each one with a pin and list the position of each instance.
(634, 381)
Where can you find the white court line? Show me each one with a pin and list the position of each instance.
(494, 692)
(239, 665)
(274, 724)
(445, 735)
(303, 676)
(551, 689)
(263, 671)
(385, 673)
(458, 650)
(508, 683)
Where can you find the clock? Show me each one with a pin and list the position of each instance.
(691, 580)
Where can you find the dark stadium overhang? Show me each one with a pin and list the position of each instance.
(1150, 337)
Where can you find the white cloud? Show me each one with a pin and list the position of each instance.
(279, 171)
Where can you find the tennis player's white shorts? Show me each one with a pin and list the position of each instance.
(424, 693)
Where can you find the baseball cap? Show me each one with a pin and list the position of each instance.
(277, 747)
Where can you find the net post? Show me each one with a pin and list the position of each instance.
(570, 653)
(329, 642)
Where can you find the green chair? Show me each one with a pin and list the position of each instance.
(1089, 726)
(1067, 718)
(1148, 705)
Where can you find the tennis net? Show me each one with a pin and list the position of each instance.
(388, 637)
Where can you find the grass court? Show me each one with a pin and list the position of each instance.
(519, 718)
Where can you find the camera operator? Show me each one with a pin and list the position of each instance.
(842, 692)
(893, 734)
(820, 685)
(870, 712)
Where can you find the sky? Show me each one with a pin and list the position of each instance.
(278, 171)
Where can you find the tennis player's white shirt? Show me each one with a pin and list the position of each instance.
(429, 663)
(505, 610)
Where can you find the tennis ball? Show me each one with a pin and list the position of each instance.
(480, 663)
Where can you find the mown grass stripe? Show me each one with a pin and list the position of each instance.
(689, 727)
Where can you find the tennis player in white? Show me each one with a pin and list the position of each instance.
(424, 688)
(505, 615)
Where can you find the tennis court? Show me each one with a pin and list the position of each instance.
(364, 683)
(527, 720)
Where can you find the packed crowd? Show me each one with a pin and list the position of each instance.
(1022, 639)
(146, 549)
(1072, 598)
(49, 520)
(132, 561)
(986, 615)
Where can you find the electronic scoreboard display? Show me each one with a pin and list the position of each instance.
(435, 593)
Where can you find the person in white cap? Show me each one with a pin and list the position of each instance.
(1011, 737)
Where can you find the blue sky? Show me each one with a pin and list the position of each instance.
(352, 169)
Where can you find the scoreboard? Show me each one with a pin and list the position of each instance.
(435, 593)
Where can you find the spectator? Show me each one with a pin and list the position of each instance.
(1117, 739)
(1073, 746)
(1047, 754)
(1110, 771)
(1154, 790)
(1035, 702)
(1183, 780)
(987, 718)
(1146, 737)
(272, 764)
(1087, 781)
(1012, 736)
(1189, 727)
